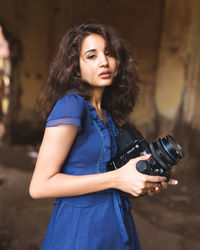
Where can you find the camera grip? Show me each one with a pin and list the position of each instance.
(142, 166)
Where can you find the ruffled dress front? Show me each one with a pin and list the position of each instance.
(95, 221)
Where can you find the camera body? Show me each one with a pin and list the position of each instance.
(165, 153)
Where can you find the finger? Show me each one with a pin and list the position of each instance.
(144, 191)
(152, 185)
(157, 189)
(154, 190)
(164, 185)
(142, 158)
(150, 192)
(172, 182)
(158, 179)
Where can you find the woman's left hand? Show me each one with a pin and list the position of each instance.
(162, 185)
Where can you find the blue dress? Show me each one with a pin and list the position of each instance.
(95, 221)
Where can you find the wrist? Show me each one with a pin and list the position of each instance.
(114, 179)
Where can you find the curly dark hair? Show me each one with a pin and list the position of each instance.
(118, 98)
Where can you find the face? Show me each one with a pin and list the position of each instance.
(97, 65)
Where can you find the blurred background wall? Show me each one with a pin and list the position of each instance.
(165, 38)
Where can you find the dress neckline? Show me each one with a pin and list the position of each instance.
(95, 114)
(102, 123)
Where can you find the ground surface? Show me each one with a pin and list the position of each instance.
(170, 220)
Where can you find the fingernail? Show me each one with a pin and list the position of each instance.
(148, 155)
(175, 182)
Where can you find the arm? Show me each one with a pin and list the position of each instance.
(47, 181)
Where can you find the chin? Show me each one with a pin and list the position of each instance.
(102, 84)
(108, 83)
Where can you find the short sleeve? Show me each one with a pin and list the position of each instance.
(68, 110)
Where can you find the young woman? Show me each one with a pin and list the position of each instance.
(90, 91)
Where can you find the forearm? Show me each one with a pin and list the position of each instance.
(61, 185)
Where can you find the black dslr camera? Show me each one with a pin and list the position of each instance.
(166, 152)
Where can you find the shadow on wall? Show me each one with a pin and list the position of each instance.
(24, 133)
(189, 138)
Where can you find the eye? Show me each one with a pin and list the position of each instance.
(109, 53)
(91, 57)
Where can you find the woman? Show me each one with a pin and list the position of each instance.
(91, 78)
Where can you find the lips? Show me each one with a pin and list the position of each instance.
(105, 74)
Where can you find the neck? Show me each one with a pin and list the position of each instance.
(96, 98)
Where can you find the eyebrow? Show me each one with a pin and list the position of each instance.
(90, 50)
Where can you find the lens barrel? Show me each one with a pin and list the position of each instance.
(166, 151)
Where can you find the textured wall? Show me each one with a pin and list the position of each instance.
(164, 36)
(40, 25)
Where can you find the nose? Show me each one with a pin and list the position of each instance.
(103, 61)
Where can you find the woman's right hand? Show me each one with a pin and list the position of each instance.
(131, 181)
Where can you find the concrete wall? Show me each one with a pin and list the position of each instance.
(39, 25)
(164, 35)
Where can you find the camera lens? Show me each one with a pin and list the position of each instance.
(166, 151)
(172, 148)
